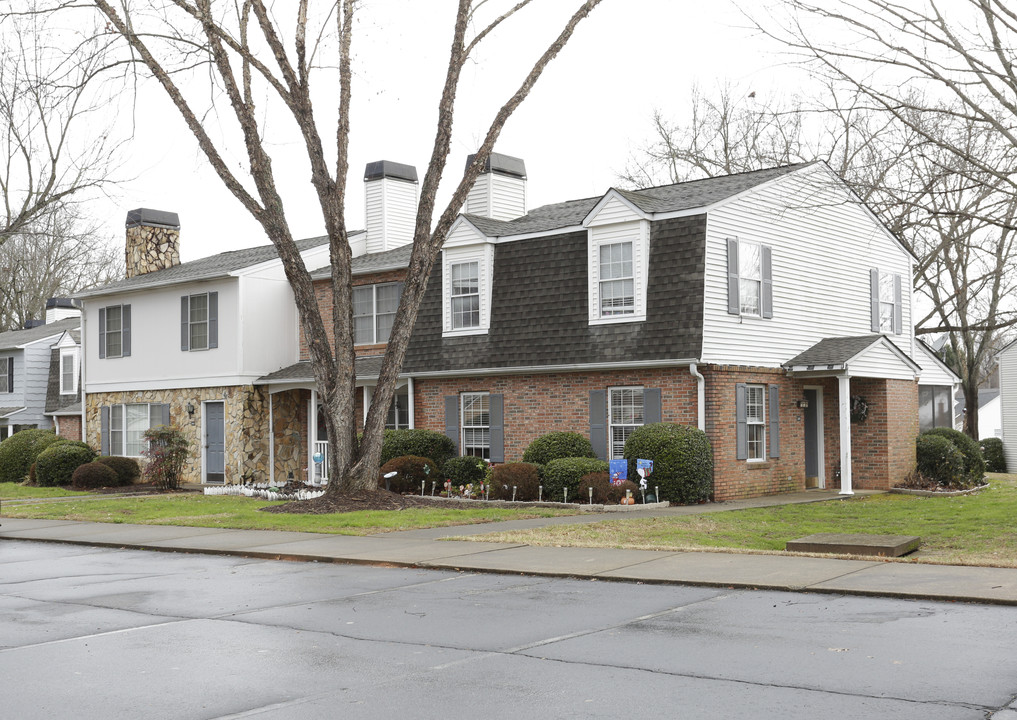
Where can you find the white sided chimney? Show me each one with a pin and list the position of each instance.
(60, 309)
(500, 190)
(390, 201)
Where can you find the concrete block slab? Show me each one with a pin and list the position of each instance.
(856, 544)
(12, 525)
(763, 571)
(227, 540)
(378, 549)
(581, 562)
(945, 582)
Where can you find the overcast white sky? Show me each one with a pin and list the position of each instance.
(576, 131)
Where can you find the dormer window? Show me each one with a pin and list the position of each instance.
(617, 287)
(466, 281)
(618, 258)
(68, 372)
(465, 295)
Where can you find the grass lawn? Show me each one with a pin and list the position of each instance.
(242, 513)
(979, 529)
(17, 491)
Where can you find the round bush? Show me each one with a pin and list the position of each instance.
(973, 471)
(464, 470)
(939, 460)
(127, 469)
(566, 473)
(558, 445)
(412, 470)
(419, 443)
(20, 450)
(93, 475)
(524, 476)
(604, 493)
(682, 461)
(57, 463)
(992, 452)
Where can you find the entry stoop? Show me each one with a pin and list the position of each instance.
(856, 544)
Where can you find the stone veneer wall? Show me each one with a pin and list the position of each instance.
(151, 248)
(289, 428)
(246, 425)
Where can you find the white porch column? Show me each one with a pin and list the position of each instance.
(271, 440)
(312, 431)
(409, 389)
(844, 386)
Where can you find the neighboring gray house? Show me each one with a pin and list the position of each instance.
(25, 368)
(63, 393)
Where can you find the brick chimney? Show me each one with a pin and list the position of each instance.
(390, 204)
(153, 241)
(500, 191)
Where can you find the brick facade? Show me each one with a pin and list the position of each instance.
(68, 426)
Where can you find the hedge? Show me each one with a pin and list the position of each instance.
(419, 443)
(939, 460)
(127, 469)
(411, 471)
(558, 445)
(20, 451)
(682, 461)
(566, 473)
(973, 471)
(464, 470)
(57, 463)
(93, 475)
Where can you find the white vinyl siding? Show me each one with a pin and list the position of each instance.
(879, 361)
(755, 419)
(1008, 403)
(625, 414)
(390, 206)
(497, 196)
(475, 422)
(823, 248)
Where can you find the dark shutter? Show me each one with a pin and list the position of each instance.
(598, 422)
(734, 303)
(496, 405)
(452, 419)
(874, 298)
(766, 286)
(104, 430)
(10, 374)
(213, 320)
(125, 332)
(185, 334)
(898, 311)
(651, 405)
(774, 422)
(741, 428)
(102, 333)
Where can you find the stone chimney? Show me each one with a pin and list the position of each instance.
(61, 309)
(500, 190)
(390, 204)
(153, 241)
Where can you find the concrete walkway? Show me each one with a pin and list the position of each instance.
(422, 548)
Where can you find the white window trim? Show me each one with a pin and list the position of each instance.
(638, 233)
(891, 302)
(462, 422)
(759, 279)
(191, 323)
(761, 423)
(4, 373)
(106, 333)
(483, 255)
(122, 450)
(73, 355)
(611, 425)
(374, 311)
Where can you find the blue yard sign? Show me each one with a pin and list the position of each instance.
(644, 467)
(619, 471)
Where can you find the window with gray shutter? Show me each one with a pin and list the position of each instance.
(774, 422)
(102, 333)
(104, 430)
(733, 292)
(741, 423)
(6, 375)
(766, 294)
(125, 332)
(497, 410)
(598, 422)
(213, 320)
(452, 419)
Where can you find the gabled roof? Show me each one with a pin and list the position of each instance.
(19, 338)
(367, 367)
(837, 352)
(214, 266)
(394, 259)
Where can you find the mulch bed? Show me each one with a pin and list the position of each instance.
(917, 482)
(384, 500)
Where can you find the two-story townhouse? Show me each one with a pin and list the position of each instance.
(182, 344)
(25, 357)
(63, 390)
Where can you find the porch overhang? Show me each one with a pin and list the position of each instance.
(6, 412)
(300, 376)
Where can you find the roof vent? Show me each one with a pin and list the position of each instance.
(61, 308)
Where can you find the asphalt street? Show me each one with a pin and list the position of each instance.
(91, 632)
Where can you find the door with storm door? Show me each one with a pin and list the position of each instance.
(813, 411)
(215, 443)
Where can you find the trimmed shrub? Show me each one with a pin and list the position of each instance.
(682, 461)
(93, 475)
(419, 443)
(973, 471)
(992, 452)
(558, 445)
(57, 463)
(167, 452)
(566, 473)
(604, 492)
(412, 471)
(464, 470)
(127, 469)
(524, 476)
(939, 460)
(20, 450)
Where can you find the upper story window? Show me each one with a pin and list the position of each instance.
(465, 295)
(749, 279)
(886, 298)
(374, 311)
(618, 255)
(115, 331)
(199, 321)
(625, 414)
(6, 375)
(68, 372)
(617, 285)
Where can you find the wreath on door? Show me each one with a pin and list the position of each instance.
(859, 409)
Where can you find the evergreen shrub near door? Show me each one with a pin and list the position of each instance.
(57, 463)
(93, 475)
(973, 471)
(939, 460)
(410, 472)
(464, 470)
(558, 445)
(19, 452)
(682, 461)
(992, 452)
(567, 473)
(127, 469)
(525, 477)
(420, 443)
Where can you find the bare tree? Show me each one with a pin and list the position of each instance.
(243, 53)
(55, 147)
(54, 255)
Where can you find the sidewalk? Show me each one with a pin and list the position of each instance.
(422, 548)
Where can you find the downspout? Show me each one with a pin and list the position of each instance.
(81, 380)
(700, 396)
(410, 407)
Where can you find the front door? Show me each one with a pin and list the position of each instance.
(215, 443)
(813, 432)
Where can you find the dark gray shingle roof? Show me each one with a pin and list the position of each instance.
(372, 262)
(15, 338)
(833, 351)
(203, 269)
(367, 367)
(5, 411)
